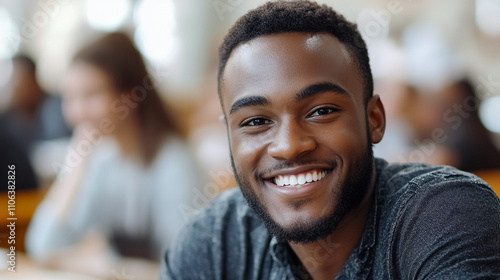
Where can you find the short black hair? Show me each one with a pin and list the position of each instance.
(297, 16)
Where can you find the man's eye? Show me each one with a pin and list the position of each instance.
(256, 122)
(323, 111)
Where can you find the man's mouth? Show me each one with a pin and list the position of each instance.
(300, 179)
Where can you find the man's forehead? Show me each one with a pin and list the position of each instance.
(283, 42)
(286, 55)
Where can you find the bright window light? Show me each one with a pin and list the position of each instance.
(490, 114)
(9, 35)
(155, 33)
(488, 16)
(107, 15)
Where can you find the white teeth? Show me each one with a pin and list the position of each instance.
(298, 181)
(315, 176)
(278, 180)
(301, 179)
(309, 177)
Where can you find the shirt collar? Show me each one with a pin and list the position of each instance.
(360, 261)
(279, 251)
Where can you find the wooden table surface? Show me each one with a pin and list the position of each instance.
(26, 269)
(26, 204)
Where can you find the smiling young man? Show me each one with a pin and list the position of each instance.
(313, 203)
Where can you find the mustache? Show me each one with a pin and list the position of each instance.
(288, 164)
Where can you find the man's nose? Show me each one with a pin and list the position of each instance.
(291, 141)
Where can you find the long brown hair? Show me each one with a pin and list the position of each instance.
(117, 56)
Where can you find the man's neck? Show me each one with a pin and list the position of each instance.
(325, 258)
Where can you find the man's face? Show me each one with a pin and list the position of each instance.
(298, 131)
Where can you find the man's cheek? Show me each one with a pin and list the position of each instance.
(241, 157)
(345, 140)
(246, 150)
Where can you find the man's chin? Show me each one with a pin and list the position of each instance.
(304, 231)
(304, 217)
(294, 221)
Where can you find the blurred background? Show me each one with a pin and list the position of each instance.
(435, 65)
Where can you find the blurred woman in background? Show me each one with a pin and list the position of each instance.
(128, 176)
(468, 139)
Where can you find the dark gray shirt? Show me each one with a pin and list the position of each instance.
(425, 223)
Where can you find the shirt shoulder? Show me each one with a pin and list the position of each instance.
(218, 240)
(438, 222)
(396, 180)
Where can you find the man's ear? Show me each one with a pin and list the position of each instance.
(376, 118)
(222, 119)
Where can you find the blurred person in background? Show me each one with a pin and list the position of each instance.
(468, 141)
(13, 153)
(420, 111)
(446, 128)
(132, 174)
(32, 116)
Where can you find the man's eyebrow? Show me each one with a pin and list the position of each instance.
(249, 101)
(319, 88)
(303, 94)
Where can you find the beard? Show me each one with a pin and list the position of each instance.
(354, 188)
